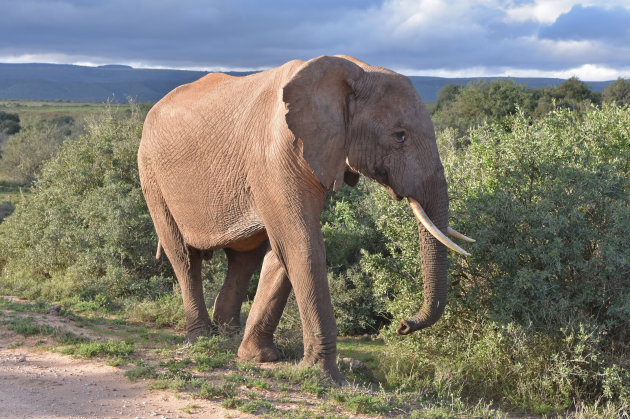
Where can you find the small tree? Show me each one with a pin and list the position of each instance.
(573, 94)
(9, 123)
(478, 103)
(617, 92)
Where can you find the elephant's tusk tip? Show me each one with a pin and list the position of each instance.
(455, 233)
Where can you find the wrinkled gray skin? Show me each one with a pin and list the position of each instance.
(244, 163)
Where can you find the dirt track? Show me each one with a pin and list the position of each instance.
(39, 384)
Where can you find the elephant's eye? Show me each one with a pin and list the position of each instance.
(401, 136)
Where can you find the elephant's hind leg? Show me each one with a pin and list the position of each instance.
(241, 267)
(186, 261)
(271, 297)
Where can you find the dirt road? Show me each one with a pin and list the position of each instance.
(39, 384)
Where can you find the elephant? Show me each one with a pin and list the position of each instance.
(244, 164)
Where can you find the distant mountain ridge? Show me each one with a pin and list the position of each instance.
(117, 83)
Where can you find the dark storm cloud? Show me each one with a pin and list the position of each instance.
(402, 34)
(590, 23)
(237, 33)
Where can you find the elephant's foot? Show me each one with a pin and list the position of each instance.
(329, 367)
(263, 351)
(323, 353)
(195, 333)
(227, 322)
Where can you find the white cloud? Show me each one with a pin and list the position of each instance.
(543, 11)
(410, 18)
(586, 72)
(547, 11)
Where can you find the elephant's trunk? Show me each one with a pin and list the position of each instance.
(434, 265)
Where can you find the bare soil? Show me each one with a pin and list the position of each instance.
(39, 384)
(35, 383)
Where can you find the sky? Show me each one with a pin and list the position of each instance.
(466, 38)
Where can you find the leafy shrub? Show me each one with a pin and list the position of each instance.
(214, 352)
(538, 315)
(110, 348)
(24, 153)
(6, 209)
(479, 102)
(9, 123)
(165, 311)
(85, 230)
(356, 309)
(617, 92)
(348, 229)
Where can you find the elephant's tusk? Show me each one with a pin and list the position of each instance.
(428, 224)
(458, 235)
(158, 253)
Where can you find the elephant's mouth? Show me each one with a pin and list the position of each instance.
(392, 193)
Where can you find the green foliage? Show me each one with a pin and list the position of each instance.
(9, 123)
(549, 204)
(85, 230)
(572, 94)
(480, 102)
(538, 315)
(24, 153)
(348, 229)
(109, 348)
(254, 406)
(258, 383)
(28, 327)
(141, 371)
(212, 391)
(213, 352)
(363, 403)
(617, 92)
(165, 311)
(6, 209)
(356, 309)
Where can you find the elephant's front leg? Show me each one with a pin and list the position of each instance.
(271, 297)
(310, 284)
(297, 241)
(241, 267)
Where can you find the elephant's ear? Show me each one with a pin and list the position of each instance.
(319, 99)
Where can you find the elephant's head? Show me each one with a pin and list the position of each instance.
(354, 117)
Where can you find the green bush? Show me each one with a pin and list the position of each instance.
(538, 315)
(617, 92)
(9, 123)
(165, 311)
(85, 230)
(480, 102)
(24, 153)
(6, 209)
(349, 230)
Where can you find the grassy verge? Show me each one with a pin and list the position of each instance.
(36, 110)
(210, 370)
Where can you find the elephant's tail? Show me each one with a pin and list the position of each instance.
(158, 254)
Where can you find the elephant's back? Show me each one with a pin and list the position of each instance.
(201, 141)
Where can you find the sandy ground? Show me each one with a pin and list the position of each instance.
(39, 384)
